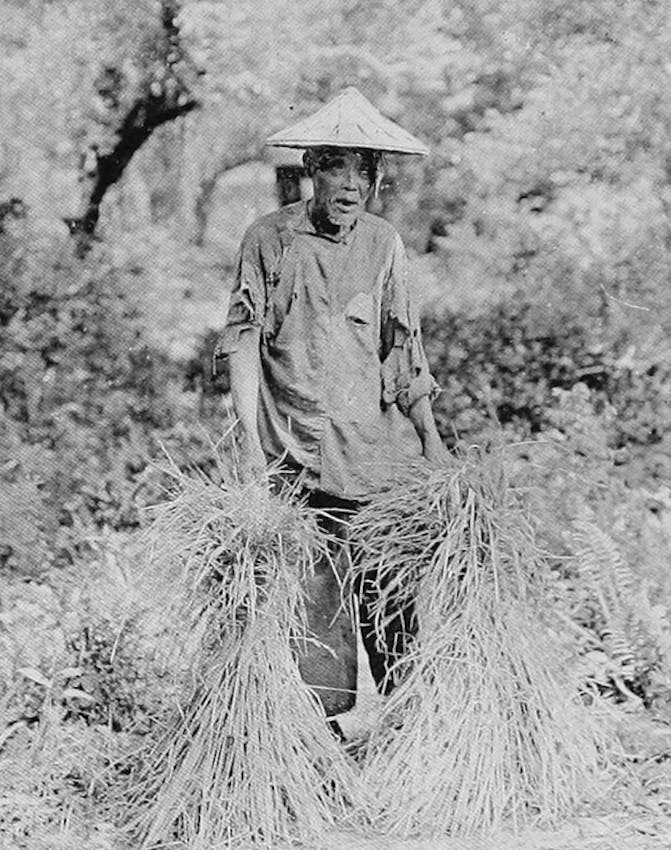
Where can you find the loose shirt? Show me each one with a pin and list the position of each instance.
(341, 357)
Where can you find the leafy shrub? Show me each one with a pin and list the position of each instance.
(112, 672)
(505, 364)
(73, 345)
(51, 780)
(607, 549)
(82, 646)
(640, 389)
(32, 647)
(28, 533)
(87, 402)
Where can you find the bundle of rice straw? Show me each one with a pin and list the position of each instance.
(249, 761)
(484, 728)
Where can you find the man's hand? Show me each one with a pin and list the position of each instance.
(252, 460)
(435, 452)
(433, 449)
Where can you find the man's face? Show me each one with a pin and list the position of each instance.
(342, 180)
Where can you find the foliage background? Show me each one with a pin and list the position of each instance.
(539, 237)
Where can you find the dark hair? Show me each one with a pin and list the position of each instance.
(318, 157)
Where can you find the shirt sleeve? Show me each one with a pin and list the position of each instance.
(405, 372)
(247, 304)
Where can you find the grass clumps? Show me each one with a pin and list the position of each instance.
(485, 726)
(53, 780)
(248, 760)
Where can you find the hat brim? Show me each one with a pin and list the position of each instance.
(349, 121)
(350, 144)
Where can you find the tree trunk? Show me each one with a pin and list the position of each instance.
(163, 96)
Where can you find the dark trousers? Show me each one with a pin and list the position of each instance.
(328, 662)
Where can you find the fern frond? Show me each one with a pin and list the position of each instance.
(630, 633)
(600, 560)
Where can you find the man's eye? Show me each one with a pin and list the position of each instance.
(338, 165)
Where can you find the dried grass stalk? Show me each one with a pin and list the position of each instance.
(485, 727)
(251, 760)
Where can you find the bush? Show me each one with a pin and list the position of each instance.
(607, 543)
(51, 784)
(87, 401)
(505, 363)
(84, 644)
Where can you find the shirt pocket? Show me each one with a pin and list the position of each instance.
(360, 310)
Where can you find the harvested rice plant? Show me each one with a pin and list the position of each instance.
(487, 724)
(247, 757)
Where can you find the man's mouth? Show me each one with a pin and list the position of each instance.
(346, 204)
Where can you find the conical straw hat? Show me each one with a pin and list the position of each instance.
(348, 121)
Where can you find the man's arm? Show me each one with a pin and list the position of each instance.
(243, 365)
(406, 379)
(421, 416)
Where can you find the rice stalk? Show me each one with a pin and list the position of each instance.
(248, 760)
(484, 727)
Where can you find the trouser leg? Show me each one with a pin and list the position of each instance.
(328, 661)
(384, 646)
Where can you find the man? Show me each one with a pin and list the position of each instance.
(326, 361)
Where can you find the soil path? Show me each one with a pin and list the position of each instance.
(613, 832)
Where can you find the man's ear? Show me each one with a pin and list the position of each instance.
(308, 163)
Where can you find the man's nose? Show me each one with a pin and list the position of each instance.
(352, 177)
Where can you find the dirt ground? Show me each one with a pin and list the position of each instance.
(613, 832)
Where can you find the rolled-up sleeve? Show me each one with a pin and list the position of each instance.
(405, 372)
(247, 304)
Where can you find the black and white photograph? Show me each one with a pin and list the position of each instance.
(335, 425)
